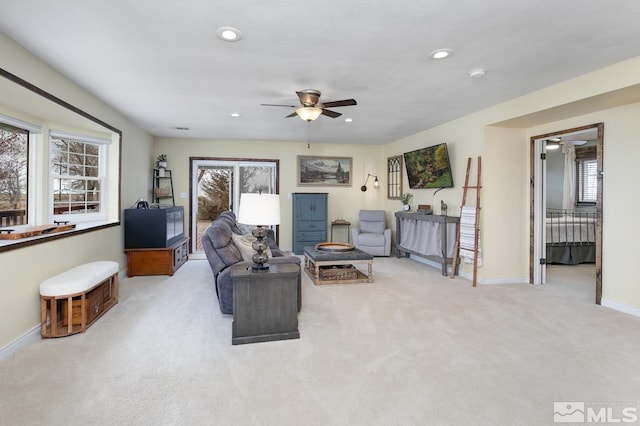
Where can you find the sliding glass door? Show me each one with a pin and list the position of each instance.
(217, 185)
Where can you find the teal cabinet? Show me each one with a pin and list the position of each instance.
(309, 220)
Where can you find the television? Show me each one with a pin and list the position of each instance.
(153, 228)
(429, 167)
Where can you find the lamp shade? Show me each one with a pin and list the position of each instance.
(309, 113)
(259, 209)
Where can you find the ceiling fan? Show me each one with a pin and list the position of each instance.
(310, 109)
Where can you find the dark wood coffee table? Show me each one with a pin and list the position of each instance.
(320, 264)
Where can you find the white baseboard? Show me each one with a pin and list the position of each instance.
(33, 334)
(469, 276)
(620, 307)
(20, 342)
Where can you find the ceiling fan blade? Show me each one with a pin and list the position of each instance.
(330, 113)
(333, 104)
(293, 114)
(308, 97)
(290, 106)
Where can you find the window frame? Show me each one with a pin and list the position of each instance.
(102, 145)
(592, 183)
(394, 177)
(29, 101)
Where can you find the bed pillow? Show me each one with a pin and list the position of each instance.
(243, 243)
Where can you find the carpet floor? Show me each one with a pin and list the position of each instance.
(412, 348)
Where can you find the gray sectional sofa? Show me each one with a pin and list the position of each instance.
(222, 253)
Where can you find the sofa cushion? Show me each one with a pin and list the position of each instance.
(244, 244)
(219, 235)
(373, 240)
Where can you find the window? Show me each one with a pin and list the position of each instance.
(14, 161)
(587, 178)
(50, 175)
(394, 177)
(77, 174)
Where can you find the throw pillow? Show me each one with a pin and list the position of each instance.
(244, 229)
(243, 243)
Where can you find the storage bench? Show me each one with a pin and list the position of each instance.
(73, 300)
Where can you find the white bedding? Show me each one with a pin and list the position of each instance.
(571, 229)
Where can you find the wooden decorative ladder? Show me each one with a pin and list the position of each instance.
(476, 234)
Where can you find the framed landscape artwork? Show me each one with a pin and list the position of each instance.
(324, 171)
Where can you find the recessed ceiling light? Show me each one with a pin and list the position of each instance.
(229, 34)
(348, 120)
(235, 114)
(477, 73)
(441, 53)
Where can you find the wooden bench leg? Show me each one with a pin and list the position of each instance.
(114, 287)
(43, 316)
(69, 315)
(53, 316)
(83, 312)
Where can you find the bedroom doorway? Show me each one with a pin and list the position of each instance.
(567, 221)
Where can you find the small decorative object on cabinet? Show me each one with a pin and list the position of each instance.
(163, 187)
(309, 220)
(405, 199)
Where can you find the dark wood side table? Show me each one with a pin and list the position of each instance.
(341, 223)
(265, 304)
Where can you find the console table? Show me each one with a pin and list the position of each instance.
(157, 261)
(428, 236)
(265, 304)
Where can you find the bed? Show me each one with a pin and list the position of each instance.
(571, 236)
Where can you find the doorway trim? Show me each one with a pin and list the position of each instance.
(193, 201)
(533, 158)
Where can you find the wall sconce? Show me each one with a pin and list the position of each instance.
(376, 183)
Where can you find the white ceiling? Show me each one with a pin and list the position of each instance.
(160, 63)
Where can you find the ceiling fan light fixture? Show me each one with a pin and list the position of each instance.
(309, 113)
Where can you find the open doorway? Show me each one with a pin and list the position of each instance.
(566, 210)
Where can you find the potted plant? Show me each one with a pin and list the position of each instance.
(405, 199)
(161, 164)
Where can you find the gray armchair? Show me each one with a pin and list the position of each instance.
(372, 235)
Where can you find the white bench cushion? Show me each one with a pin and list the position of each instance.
(78, 279)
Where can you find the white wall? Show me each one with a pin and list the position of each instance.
(23, 269)
(343, 201)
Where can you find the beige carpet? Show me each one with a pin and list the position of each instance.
(412, 348)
